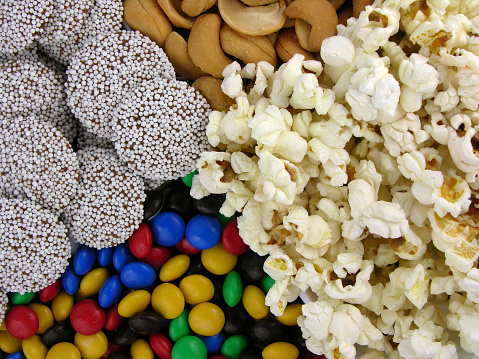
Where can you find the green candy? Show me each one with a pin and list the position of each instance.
(18, 298)
(224, 220)
(188, 179)
(233, 346)
(179, 326)
(189, 347)
(266, 283)
(232, 288)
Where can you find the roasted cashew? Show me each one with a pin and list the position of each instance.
(177, 16)
(287, 45)
(176, 49)
(195, 7)
(360, 5)
(210, 88)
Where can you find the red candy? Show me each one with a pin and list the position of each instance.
(87, 317)
(112, 348)
(140, 241)
(21, 322)
(157, 257)
(231, 239)
(47, 294)
(185, 247)
(161, 345)
(113, 319)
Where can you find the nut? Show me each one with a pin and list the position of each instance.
(287, 45)
(204, 45)
(337, 3)
(147, 17)
(316, 20)
(344, 15)
(253, 20)
(195, 7)
(258, 2)
(176, 48)
(177, 16)
(360, 5)
(245, 47)
(210, 88)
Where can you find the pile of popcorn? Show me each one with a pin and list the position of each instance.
(356, 175)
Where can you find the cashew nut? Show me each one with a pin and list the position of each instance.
(176, 49)
(245, 47)
(210, 88)
(344, 14)
(337, 3)
(195, 7)
(172, 9)
(316, 20)
(147, 17)
(360, 5)
(258, 2)
(204, 45)
(287, 45)
(253, 20)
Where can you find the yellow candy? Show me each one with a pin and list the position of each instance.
(281, 350)
(63, 350)
(218, 260)
(3, 326)
(45, 316)
(140, 349)
(174, 268)
(79, 295)
(196, 289)
(253, 302)
(134, 302)
(290, 315)
(168, 300)
(8, 343)
(206, 319)
(91, 346)
(62, 305)
(33, 348)
(93, 281)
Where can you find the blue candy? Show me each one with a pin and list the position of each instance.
(203, 232)
(70, 280)
(17, 355)
(168, 229)
(122, 256)
(105, 256)
(137, 275)
(214, 342)
(110, 292)
(84, 260)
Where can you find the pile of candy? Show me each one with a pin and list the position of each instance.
(184, 286)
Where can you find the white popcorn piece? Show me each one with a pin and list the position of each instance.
(213, 130)
(309, 275)
(267, 125)
(244, 166)
(234, 124)
(462, 256)
(301, 123)
(197, 190)
(462, 149)
(418, 74)
(280, 294)
(462, 316)
(232, 84)
(215, 172)
(278, 265)
(305, 89)
(291, 146)
(236, 199)
(283, 82)
(337, 51)
(414, 282)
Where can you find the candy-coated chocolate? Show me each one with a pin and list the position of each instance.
(295, 337)
(21, 322)
(238, 320)
(70, 280)
(122, 256)
(17, 355)
(84, 260)
(291, 314)
(250, 266)
(266, 331)
(233, 346)
(47, 294)
(140, 349)
(125, 335)
(105, 256)
(251, 352)
(137, 275)
(178, 200)
(231, 239)
(211, 204)
(282, 350)
(218, 260)
(8, 343)
(110, 292)
(146, 322)
(232, 288)
(58, 333)
(63, 350)
(33, 348)
(174, 268)
(189, 347)
(153, 204)
(157, 256)
(214, 342)
(25, 298)
(87, 317)
(266, 283)
(91, 346)
(253, 301)
(185, 247)
(188, 179)
(140, 241)
(93, 281)
(134, 302)
(206, 319)
(161, 345)
(168, 300)
(196, 289)
(203, 231)
(167, 228)
(224, 220)
(119, 355)
(113, 318)
(179, 327)
(45, 316)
